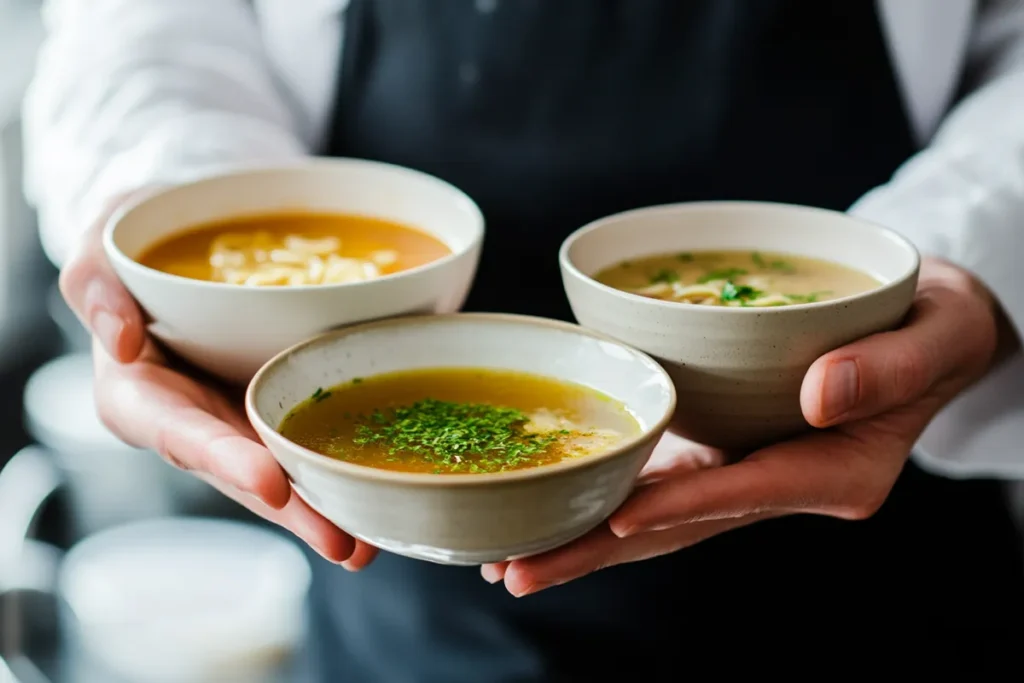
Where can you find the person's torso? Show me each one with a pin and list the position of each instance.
(551, 114)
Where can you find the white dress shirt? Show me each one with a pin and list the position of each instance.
(136, 92)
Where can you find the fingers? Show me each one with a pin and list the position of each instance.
(830, 473)
(150, 406)
(196, 440)
(326, 539)
(675, 455)
(362, 556)
(601, 549)
(495, 572)
(950, 330)
(97, 297)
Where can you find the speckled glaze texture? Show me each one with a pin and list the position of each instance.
(738, 371)
(231, 330)
(459, 518)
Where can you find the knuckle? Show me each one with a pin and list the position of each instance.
(864, 505)
(107, 411)
(71, 281)
(164, 448)
(910, 371)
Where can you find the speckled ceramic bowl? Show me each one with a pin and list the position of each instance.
(464, 518)
(737, 371)
(231, 330)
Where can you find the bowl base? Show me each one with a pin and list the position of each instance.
(474, 558)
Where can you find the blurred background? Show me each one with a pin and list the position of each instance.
(64, 480)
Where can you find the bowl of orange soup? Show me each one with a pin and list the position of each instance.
(234, 268)
(465, 438)
(737, 300)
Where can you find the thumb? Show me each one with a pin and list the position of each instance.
(946, 332)
(95, 294)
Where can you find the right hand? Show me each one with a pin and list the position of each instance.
(189, 422)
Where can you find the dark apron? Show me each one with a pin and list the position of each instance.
(551, 114)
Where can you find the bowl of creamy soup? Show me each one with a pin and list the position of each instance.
(234, 268)
(464, 438)
(737, 300)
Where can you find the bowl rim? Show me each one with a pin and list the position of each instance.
(567, 265)
(121, 260)
(365, 472)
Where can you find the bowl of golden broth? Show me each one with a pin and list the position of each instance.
(736, 300)
(465, 438)
(234, 268)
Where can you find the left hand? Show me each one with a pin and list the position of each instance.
(876, 395)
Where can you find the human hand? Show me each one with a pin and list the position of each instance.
(189, 421)
(875, 396)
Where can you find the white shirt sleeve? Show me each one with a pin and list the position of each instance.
(962, 198)
(130, 93)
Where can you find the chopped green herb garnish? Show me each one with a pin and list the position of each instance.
(808, 298)
(685, 257)
(357, 380)
(321, 396)
(722, 274)
(759, 261)
(664, 276)
(458, 435)
(318, 392)
(733, 292)
(783, 266)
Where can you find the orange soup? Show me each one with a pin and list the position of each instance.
(458, 420)
(295, 248)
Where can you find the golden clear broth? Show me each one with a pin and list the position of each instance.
(293, 249)
(737, 278)
(556, 419)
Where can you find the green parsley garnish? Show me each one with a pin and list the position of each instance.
(722, 274)
(685, 257)
(664, 276)
(759, 261)
(808, 298)
(463, 436)
(733, 292)
(320, 394)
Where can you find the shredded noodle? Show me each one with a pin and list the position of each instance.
(260, 259)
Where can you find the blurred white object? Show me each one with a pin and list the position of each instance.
(21, 32)
(182, 600)
(108, 482)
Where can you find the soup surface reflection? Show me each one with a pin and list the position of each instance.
(736, 278)
(294, 249)
(458, 420)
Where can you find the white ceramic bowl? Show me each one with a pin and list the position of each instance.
(737, 371)
(232, 330)
(464, 518)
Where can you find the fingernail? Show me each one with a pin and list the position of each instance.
(531, 589)
(107, 327)
(842, 386)
(625, 531)
(490, 574)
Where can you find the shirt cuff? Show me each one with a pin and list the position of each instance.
(981, 432)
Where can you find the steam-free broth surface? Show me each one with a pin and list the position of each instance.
(294, 249)
(737, 278)
(458, 420)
